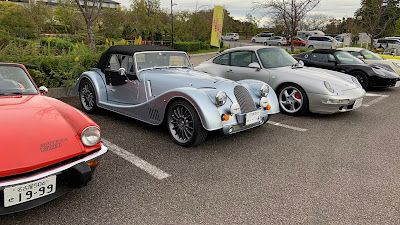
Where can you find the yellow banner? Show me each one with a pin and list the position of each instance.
(218, 20)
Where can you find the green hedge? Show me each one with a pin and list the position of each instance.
(57, 43)
(191, 46)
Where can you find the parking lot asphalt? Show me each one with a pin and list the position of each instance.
(315, 169)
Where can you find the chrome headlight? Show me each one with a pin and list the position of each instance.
(329, 87)
(91, 136)
(235, 108)
(220, 98)
(264, 90)
(396, 64)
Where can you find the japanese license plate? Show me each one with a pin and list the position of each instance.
(253, 117)
(357, 103)
(27, 192)
(397, 84)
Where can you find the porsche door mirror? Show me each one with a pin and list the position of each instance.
(360, 57)
(122, 71)
(43, 90)
(255, 65)
(332, 61)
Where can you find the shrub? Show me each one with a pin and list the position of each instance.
(191, 46)
(58, 43)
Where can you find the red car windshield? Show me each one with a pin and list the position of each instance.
(15, 81)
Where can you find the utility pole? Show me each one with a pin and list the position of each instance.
(172, 28)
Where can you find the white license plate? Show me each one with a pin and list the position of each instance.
(397, 84)
(357, 103)
(253, 117)
(27, 192)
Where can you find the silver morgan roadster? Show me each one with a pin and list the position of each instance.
(156, 84)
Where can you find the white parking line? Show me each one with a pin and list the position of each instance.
(287, 126)
(380, 98)
(142, 164)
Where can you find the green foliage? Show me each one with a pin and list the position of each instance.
(298, 51)
(191, 46)
(57, 43)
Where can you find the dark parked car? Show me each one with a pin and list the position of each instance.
(367, 75)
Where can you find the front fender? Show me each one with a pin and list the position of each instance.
(97, 82)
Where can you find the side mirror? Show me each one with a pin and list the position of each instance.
(332, 61)
(122, 71)
(43, 90)
(255, 65)
(301, 62)
(360, 57)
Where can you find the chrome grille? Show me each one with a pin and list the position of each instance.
(244, 99)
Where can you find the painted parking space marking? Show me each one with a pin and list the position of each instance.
(287, 126)
(380, 98)
(142, 164)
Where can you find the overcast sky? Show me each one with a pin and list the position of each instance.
(239, 8)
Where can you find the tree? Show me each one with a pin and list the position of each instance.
(375, 16)
(90, 10)
(315, 22)
(291, 12)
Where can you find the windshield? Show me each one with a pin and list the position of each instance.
(150, 60)
(275, 57)
(370, 55)
(347, 58)
(14, 81)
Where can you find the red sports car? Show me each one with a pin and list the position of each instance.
(46, 146)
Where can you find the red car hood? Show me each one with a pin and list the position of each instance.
(36, 132)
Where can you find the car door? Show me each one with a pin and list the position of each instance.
(239, 67)
(324, 61)
(121, 89)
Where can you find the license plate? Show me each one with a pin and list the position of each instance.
(397, 84)
(253, 117)
(30, 191)
(357, 103)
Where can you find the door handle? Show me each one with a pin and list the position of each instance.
(229, 71)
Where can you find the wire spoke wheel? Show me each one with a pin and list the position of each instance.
(184, 124)
(87, 96)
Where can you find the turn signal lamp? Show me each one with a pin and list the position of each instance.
(94, 162)
(268, 107)
(225, 117)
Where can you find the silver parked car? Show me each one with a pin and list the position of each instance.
(155, 84)
(299, 89)
(277, 40)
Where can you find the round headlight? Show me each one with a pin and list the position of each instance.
(356, 81)
(264, 90)
(220, 98)
(235, 108)
(91, 136)
(329, 87)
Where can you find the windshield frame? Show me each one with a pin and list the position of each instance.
(23, 68)
(164, 67)
(280, 49)
(344, 52)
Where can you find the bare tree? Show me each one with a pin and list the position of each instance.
(315, 22)
(90, 10)
(375, 16)
(291, 12)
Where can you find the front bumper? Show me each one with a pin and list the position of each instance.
(71, 175)
(317, 106)
(237, 123)
(376, 81)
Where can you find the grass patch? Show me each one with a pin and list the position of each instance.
(207, 50)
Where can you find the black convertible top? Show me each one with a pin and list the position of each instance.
(325, 51)
(126, 50)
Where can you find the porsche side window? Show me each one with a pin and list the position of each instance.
(243, 59)
(356, 54)
(222, 60)
(114, 63)
(322, 57)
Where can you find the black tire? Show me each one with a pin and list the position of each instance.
(311, 46)
(279, 44)
(362, 78)
(265, 43)
(87, 96)
(254, 41)
(301, 45)
(182, 119)
(292, 98)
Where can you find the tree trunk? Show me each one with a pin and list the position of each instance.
(92, 40)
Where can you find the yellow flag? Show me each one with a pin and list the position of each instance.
(217, 23)
(140, 40)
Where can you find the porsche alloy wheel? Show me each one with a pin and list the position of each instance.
(87, 96)
(362, 78)
(184, 124)
(293, 100)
